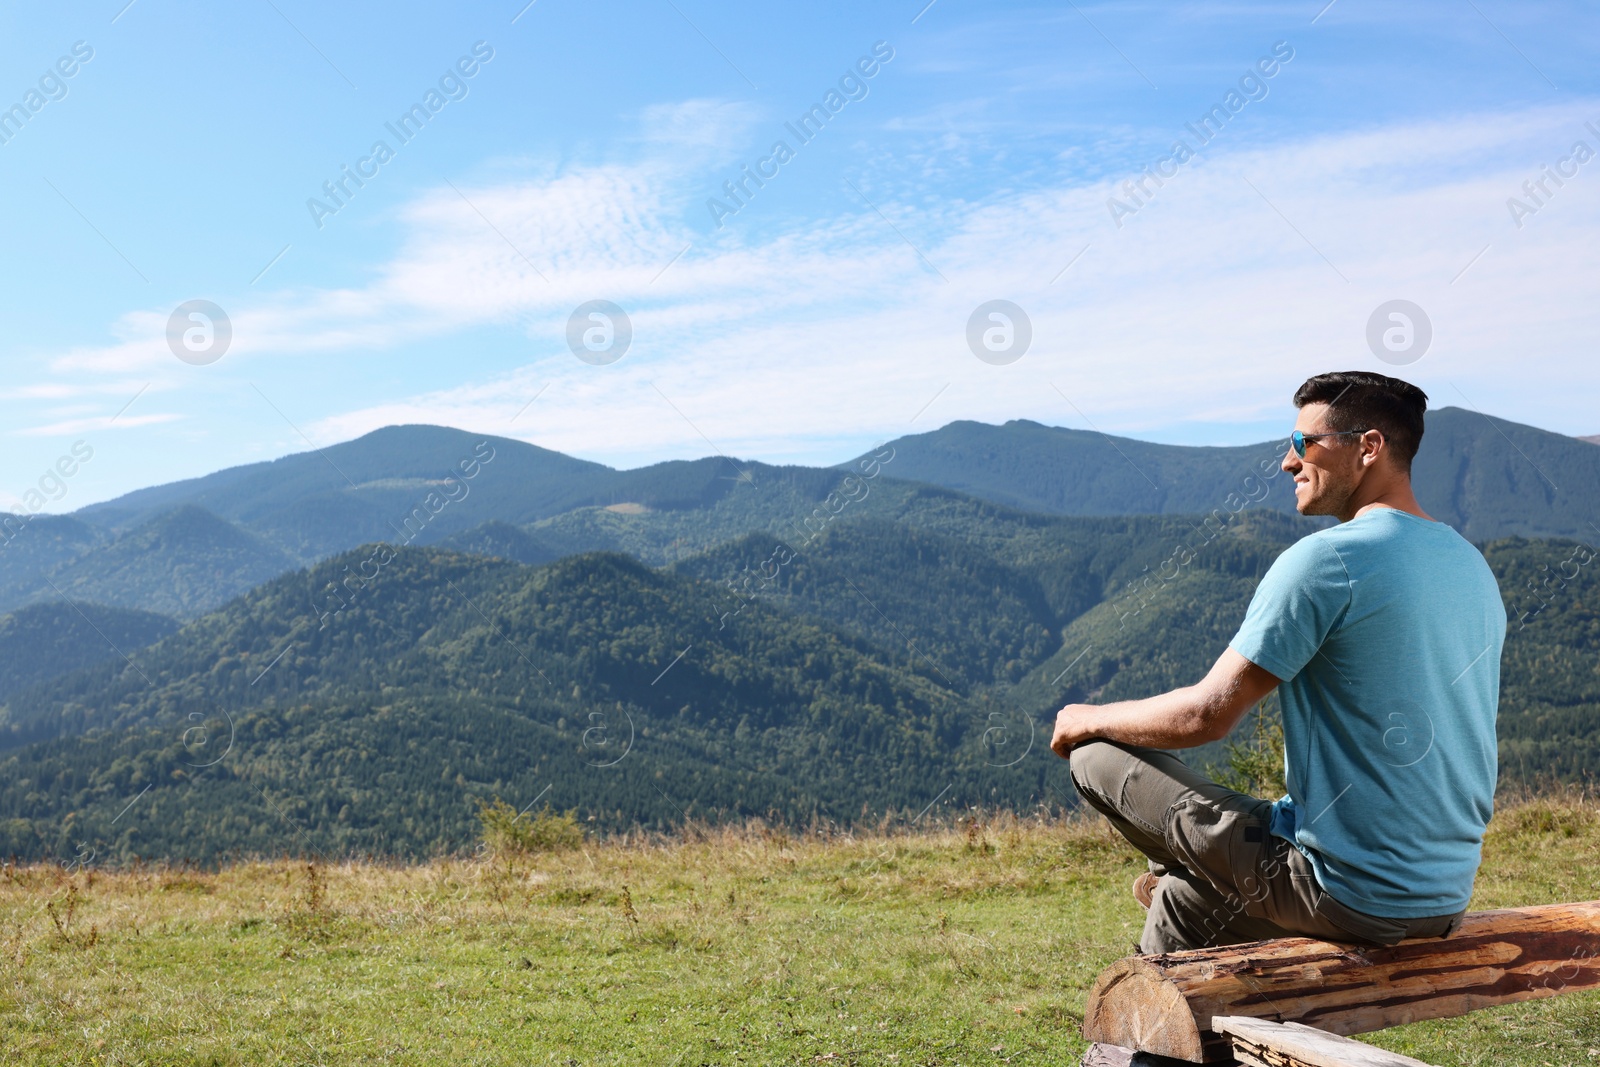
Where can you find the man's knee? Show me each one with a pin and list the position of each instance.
(1099, 768)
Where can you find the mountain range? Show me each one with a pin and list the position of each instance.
(187, 547)
(346, 650)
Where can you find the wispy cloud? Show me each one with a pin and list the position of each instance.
(98, 423)
(1207, 305)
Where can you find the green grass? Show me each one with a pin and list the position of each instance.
(963, 945)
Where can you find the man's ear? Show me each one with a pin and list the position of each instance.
(1372, 447)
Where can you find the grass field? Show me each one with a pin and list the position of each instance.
(962, 945)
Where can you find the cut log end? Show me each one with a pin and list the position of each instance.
(1133, 1005)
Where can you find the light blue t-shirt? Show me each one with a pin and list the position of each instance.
(1386, 633)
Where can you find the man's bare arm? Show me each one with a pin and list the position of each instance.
(1182, 718)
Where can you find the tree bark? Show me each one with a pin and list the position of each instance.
(1164, 1003)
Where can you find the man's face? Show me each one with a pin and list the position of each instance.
(1326, 479)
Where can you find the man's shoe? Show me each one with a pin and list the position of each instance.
(1144, 887)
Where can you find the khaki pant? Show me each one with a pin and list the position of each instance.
(1224, 878)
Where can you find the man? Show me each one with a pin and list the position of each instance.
(1382, 635)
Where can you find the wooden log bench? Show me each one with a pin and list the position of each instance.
(1197, 1006)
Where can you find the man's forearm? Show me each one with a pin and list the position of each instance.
(1182, 718)
(1178, 719)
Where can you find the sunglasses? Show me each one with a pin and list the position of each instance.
(1299, 439)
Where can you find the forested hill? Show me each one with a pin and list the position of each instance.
(871, 679)
(46, 641)
(595, 681)
(902, 658)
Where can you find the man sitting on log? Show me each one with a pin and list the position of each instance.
(1382, 634)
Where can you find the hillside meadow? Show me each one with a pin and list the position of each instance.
(971, 942)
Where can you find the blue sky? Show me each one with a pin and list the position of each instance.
(831, 309)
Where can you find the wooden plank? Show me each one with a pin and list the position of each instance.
(1165, 1003)
(1264, 1043)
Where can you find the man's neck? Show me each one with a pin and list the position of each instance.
(1390, 493)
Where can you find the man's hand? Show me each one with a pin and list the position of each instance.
(1072, 728)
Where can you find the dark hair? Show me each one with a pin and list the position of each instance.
(1362, 400)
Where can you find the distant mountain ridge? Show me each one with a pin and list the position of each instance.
(313, 503)
(1487, 477)
(156, 549)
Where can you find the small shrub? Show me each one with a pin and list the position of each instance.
(509, 832)
(628, 911)
(1255, 764)
(309, 917)
(66, 933)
